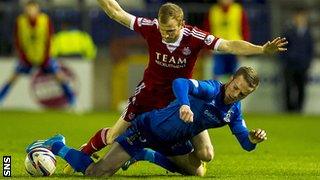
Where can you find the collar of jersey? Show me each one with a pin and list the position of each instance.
(177, 43)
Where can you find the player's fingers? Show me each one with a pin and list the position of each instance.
(275, 40)
(282, 49)
(262, 134)
(281, 41)
(282, 44)
(267, 44)
(191, 117)
(257, 132)
(252, 132)
(186, 118)
(182, 115)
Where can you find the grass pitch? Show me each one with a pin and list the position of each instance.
(292, 150)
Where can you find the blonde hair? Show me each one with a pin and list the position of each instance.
(249, 74)
(168, 11)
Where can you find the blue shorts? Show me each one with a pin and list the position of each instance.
(133, 141)
(225, 64)
(51, 68)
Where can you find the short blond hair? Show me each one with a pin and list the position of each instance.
(170, 11)
(249, 74)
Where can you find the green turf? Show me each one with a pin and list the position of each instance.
(292, 150)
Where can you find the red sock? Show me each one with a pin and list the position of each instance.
(96, 143)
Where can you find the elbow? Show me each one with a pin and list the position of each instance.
(177, 81)
(249, 148)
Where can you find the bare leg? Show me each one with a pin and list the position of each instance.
(203, 148)
(110, 164)
(118, 128)
(101, 139)
(190, 164)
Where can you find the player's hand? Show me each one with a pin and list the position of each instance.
(257, 136)
(276, 45)
(186, 114)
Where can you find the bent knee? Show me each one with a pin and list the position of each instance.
(110, 137)
(201, 171)
(206, 154)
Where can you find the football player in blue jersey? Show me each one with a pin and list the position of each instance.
(163, 136)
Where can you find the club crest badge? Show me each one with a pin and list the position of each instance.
(209, 39)
(186, 51)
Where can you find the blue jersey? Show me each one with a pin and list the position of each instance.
(205, 99)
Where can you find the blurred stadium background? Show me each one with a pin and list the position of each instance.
(105, 82)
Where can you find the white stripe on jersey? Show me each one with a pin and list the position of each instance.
(199, 33)
(194, 33)
(243, 123)
(124, 112)
(195, 82)
(139, 88)
(197, 36)
(136, 92)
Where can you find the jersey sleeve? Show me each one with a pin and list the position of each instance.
(145, 26)
(239, 129)
(208, 41)
(202, 89)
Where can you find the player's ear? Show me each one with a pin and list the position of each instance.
(231, 78)
(183, 23)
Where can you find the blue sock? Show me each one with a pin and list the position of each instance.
(77, 159)
(4, 91)
(68, 93)
(157, 158)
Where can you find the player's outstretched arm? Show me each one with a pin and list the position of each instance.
(257, 136)
(239, 47)
(115, 12)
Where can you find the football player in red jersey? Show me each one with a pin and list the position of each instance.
(173, 49)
